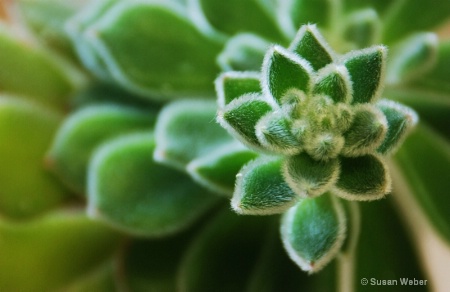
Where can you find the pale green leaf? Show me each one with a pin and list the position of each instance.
(131, 192)
(84, 131)
(186, 130)
(362, 28)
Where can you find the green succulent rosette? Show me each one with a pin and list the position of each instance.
(115, 175)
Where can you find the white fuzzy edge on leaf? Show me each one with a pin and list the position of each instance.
(238, 194)
(259, 128)
(384, 50)
(412, 119)
(164, 118)
(293, 183)
(192, 167)
(334, 250)
(220, 81)
(408, 49)
(234, 104)
(265, 70)
(368, 196)
(312, 28)
(350, 151)
(341, 71)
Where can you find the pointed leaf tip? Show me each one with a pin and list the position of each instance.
(231, 85)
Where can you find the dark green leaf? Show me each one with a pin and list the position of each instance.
(231, 85)
(310, 177)
(363, 178)
(366, 68)
(261, 189)
(334, 82)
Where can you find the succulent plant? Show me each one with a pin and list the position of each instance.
(134, 131)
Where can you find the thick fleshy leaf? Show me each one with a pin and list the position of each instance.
(282, 71)
(412, 58)
(217, 170)
(310, 45)
(274, 132)
(243, 52)
(313, 231)
(49, 253)
(324, 146)
(366, 133)
(86, 130)
(29, 71)
(363, 178)
(424, 160)
(235, 16)
(334, 82)
(405, 17)
(306, 175)
(231, 85)
(76, 28)
(437, 77)
(186, 130)
(225, 253)
(152, 265)
(240, 117)
(47, 17)
(180, 61)
(261, 189)
(366, 68)
(362, 28)
(385, 251)
(26, 131)
(400, 119)
(131, 192)
(432, 107)
(294, 13)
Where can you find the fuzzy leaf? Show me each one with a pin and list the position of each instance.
(310, 45)
(412, 58)
(274, 133)
(363, 28)
(405, 17)
(131, 192)
(251, 16)
(309, 177)
(313, 231)
(240, 117)
(261, 189)
(334, 82)
(29, 71)
(186, 130)
(400, 119)
(366, 133)
(54, 250)
(180, 61)
(243, 52)
(225, 253)
(217, 170)
(84, 131)
(26, 131)
(231, 85)
(294, 13)
(363, 178)
(366, 68)
(424, 160)
(283, 70)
